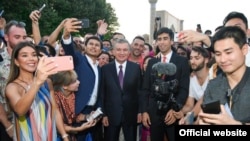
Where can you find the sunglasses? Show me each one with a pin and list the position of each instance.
(17, 23)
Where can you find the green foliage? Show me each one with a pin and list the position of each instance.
(57, 10)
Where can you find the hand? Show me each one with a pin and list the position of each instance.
(71, 25)
(146, 120)
(190, 36)
(81, 117)
(217, 119)
(35, 16)
(170, 118)
(88, 124)
(178, 115)
(105, 121)
(44, 69)
(102, 27)
(2, 23)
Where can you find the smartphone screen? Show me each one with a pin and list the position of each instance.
(212, 107)
(41, 9)
(85, 23)
(63, 63)
(176, 36)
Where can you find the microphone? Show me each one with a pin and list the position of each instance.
(164, 68)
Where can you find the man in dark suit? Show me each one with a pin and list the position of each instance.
(87, 69)
(161, 120)
(120, 94)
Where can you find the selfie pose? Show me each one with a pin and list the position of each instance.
(231, 88)
(30, 95)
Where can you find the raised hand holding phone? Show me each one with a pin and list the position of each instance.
(1, 13)
(41, 9)
(62, 63)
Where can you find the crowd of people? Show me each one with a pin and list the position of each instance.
(143, 90)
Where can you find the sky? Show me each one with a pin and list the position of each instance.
(134, 15)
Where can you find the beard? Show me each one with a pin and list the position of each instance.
(199, 67)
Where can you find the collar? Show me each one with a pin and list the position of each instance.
(168, 56)
(118, 64)
(91, 61)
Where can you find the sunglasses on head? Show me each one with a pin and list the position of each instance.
(17, 23)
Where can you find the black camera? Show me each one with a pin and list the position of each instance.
(165, 87)
(163, 93)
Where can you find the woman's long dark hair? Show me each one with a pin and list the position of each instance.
(14, 69)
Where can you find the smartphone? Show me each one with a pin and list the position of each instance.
(211, 108)
(97, 113)
(85, 23)
(1, 13)
(176, 36)
(41, 9)
(190, 118)
(63, 63)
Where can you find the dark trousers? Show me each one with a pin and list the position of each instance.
(111, 133)
(158, 130)
(158, 127)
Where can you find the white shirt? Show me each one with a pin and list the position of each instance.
(123, 67)
(195, 89)
(168, 56)
(93, 97)
(247, 60)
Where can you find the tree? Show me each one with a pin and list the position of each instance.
(57, 10)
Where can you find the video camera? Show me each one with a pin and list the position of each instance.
(163, 91)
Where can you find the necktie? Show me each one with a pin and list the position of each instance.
(164, 60)
(121, 76)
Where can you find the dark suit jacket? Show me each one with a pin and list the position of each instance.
(117, 103)
(86, 77)
(182, 75)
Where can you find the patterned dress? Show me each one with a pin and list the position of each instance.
(66, 105)
(38, 124)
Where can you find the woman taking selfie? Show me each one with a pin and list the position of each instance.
(30, 96)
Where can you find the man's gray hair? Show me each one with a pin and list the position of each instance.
(121, 41)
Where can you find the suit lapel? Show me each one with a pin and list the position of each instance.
(126, 74)
(114, 71)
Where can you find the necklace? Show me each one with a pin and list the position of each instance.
(28, 85)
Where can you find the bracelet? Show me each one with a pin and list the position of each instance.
(65, 136)
(9, 127)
